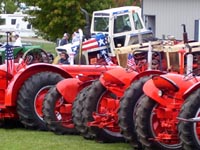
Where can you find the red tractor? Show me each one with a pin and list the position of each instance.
(22, 93)
(189, 119)
(155, 115)
(175, 56)
(23, 87)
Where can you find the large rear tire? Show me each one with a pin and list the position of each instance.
(189, 132)
(92, 104)
(57, 113)
(127, 106)
(31, 96)
(147, 126)
(77, 108)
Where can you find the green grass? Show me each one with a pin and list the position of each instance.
(22, 139)
(49, 47)
(46, 45)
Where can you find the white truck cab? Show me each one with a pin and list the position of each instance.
(122, 25)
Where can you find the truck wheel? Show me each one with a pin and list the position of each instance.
(58, 113)
(96, 101)
(31, 96)
(148, 126)
(77, 108)
(188, 131)
(127, 106)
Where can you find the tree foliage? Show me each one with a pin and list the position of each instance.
(8, 6)
(58, 16)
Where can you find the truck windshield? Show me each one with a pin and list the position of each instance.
(137, 21)
(101, 24)
(122, 23)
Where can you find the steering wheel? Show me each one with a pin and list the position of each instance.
(35, 55)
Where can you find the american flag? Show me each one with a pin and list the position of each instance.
(131, 62)
(98, 41)
(9, 59)
(106, 57)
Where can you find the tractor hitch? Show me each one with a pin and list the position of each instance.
(103, 120)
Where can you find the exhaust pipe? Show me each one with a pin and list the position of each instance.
(185, 35)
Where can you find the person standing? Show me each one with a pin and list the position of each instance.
(17, 41)
(65, 39)
(75, 37)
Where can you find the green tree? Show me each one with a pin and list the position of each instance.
(59, 16)
(8, 6)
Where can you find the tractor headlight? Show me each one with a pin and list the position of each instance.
(160, 93)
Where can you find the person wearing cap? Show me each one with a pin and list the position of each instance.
(63, 58)
(17, 41)
(64, 39)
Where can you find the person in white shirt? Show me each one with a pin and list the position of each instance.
(17, 41)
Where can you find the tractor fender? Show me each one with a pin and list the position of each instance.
(191, 89)
(118, 76)
(151, 91)
(69, 88)
(147, 73)
(175, 84)
(23, 74)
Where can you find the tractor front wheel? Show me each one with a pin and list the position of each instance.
(31, 96)
(189, 131)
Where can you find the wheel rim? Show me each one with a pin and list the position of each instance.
(38, 101)
(157, 130)
(63, 113)
(196, 127)
(108, 105)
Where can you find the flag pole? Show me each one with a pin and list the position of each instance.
(6, 54)
(80, 47)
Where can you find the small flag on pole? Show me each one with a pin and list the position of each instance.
(106, 57)
(9, 59)
(131, 62)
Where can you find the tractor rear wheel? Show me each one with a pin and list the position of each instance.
(31, 96)
(96, 101)
(148, 126)
(127, 106)
(58, 113)
(189, 131)
(77, 108)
